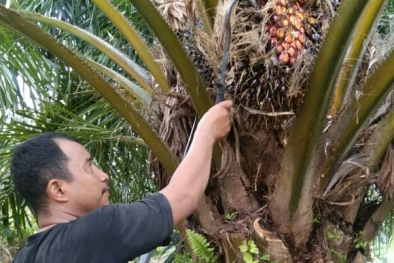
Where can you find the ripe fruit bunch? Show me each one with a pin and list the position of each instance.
(287, 30)
(273, 49)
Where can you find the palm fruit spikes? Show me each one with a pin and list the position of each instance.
(286, 29)
(273, 47)
(185, 26)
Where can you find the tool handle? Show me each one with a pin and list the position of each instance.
(220, 95)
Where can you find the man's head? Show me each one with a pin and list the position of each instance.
(55, 168)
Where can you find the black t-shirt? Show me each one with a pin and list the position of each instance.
(112, 234)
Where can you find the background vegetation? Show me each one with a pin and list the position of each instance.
(39, 92)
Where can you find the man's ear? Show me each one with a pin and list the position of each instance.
(56, 190)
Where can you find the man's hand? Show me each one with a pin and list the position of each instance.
(216, 123)
(190, 179)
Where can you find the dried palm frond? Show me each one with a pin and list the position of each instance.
(174, 12)
(177, 120)
(385, 178)
(351, 175)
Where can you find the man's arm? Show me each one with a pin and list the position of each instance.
(190, 179)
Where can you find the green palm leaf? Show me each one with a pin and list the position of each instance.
(323, 165)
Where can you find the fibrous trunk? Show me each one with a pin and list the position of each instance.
(272, 50)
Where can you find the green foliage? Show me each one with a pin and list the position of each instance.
(386, 22)
(359, 244)
(5, 254)
(40, 93)
(380, 245)
(200, 246)
(183, 258)
(338, 257)
(231, 216)
(66, 105)
(251, 253)
(335, 234)
(267, 259)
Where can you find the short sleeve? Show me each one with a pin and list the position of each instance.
(129, 230)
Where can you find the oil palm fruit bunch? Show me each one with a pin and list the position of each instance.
(287, 30)
(273, 47)
(184, 21)
(179, 111)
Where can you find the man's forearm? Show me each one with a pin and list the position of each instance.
(195, 168)
(191, 177)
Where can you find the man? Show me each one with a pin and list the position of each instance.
(70, 196)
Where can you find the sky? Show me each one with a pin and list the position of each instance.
(390, 252)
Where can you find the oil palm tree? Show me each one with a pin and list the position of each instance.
(40, 93)
(306, 174)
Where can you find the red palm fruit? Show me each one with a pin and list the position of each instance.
(296, 21)
(298, 44)
(292, 52)
(276, 18)
(312, 20)
(295, 34)
(273, 30)
(285, 45)
(273, 42)
(278, 10)
(302, 38)
(289, 38)
(300, 15)
(285, 22)
(292, 61)
(265, 85)
(284, 57)
(280, 33)
(300, 8)
(268, 105)
(279, 49)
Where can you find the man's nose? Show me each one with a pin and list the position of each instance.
(103, 176)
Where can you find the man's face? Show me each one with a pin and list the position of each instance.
(88, 189)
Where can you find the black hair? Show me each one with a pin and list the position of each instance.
(34, 163)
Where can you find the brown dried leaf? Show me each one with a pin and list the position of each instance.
(386, 175)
